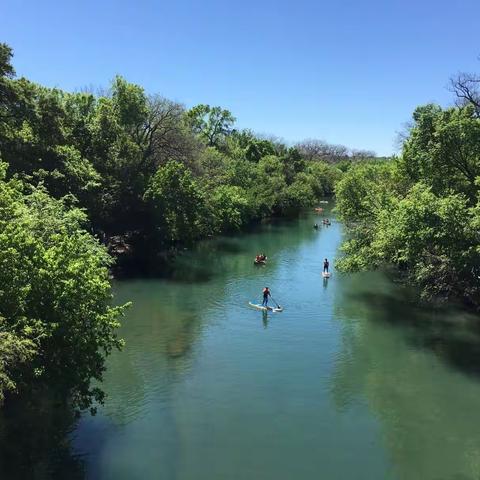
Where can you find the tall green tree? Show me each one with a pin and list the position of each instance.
(211, 124)
(443, 149)
(57, 325)
(177, 203)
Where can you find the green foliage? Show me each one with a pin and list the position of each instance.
(177, 203)
(420, 212)
(112, 151)
(230, 209)
(211, 124)
(363, 191)
(443, 149)
(257, 149)
(56, 322)
(323, 178)
(6, 72)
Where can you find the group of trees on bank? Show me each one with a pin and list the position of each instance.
(86, 176)
(151, 174)
(421, 211)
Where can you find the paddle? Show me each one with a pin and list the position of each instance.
(278, 306)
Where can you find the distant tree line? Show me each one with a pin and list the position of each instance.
(319, 150)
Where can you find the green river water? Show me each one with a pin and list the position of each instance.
(353, 380)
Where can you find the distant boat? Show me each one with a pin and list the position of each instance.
(260, 262)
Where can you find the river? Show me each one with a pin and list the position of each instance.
(353, 380)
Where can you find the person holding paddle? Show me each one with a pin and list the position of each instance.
(325, 266)
(266, 294)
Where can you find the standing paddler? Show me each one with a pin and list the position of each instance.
(325, 266)
(266, 294)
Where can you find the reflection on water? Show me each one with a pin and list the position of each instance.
(413, 366)
(353, 380)
(265, 319)
(35, 442)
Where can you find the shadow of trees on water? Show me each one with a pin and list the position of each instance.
(35, 441)
(452, 333)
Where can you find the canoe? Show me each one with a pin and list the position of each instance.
(269, 309)
(260, 262)
(326, 274)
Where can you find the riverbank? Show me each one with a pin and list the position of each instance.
(131, 262)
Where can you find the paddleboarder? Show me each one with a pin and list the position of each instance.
(325, 266)
(266, 294)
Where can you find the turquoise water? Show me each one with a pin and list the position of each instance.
(353, 380)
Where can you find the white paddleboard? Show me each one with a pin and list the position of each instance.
(326, 274)
(261, 307)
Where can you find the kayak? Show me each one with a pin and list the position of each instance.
(269, 309)
(260, 262)
(326, 274)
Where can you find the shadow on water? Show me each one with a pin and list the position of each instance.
(40, 440)
(451, 333)
(265, 319)
(229, 254)
(35, 442)
(417, 369)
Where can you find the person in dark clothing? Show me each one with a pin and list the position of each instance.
(325, 265)
(266, 294)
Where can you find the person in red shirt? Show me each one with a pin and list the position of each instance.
(266, 294)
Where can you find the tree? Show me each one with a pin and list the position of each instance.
(323, 178)
(57, 325)
(257, 148)
(6, 72)
(293, 163)
(211, 124)
(268, 189)
(110, 148)
(177, 203)
(466, 87)
(362, 154)
(229, 208)
(313, 149)
(163, 136)
(443, 149)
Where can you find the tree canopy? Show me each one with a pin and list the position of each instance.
(420, 211)
(56, 322)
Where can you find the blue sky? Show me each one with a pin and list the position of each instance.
(346, 71)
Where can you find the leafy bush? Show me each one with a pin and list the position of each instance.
(57, 324)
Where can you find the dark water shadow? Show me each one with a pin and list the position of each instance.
(450, 332)
(35, 442)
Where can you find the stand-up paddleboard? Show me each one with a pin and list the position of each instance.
(269, 309)
(326, 274)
